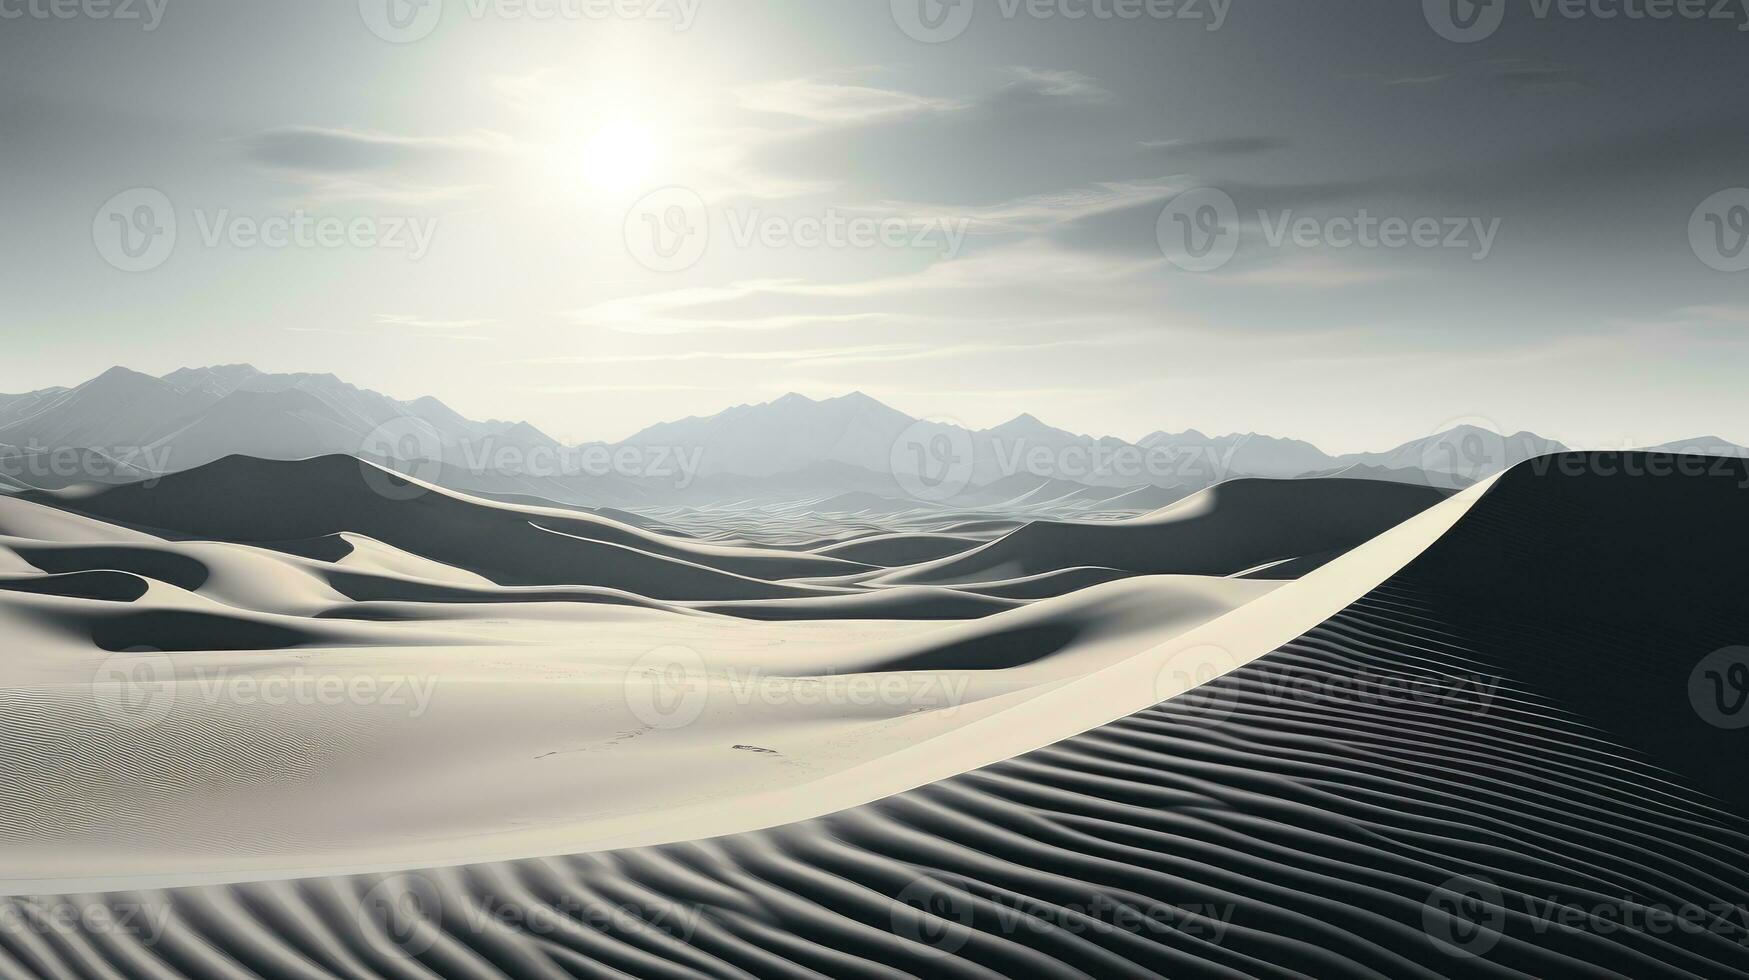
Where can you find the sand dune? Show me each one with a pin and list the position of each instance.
(1464, 747)
(907, 602)
(1229, 529)
(102, 586)
(1436, 779)
(257, 501)
(893, 550)
(1045, 584)
(818, 677)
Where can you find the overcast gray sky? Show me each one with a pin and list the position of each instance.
(955, 208)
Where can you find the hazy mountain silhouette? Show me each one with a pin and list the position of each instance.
(129, 425)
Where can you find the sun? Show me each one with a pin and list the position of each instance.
(618, 156)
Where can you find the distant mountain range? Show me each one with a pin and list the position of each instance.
(124, 426)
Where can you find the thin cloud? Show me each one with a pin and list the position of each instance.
(697, 355)
(425, 323)
(835, 103)
(1053, 84)
(1232, 146)
(316, 149)
(337, 165)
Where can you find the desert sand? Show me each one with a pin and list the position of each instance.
(536, 681)
(1113, 761)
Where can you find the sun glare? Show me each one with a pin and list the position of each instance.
(618, 156)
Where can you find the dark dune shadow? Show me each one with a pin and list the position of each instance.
(103, 586)
(329, 548)
(179, 631)
(894, 550)
(1229, 529)
(254, 501)
(1047, 585)
(1014, 647)
(162, 564)
(365, 587)
(889, 604)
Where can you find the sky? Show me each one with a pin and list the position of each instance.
(1353, 223)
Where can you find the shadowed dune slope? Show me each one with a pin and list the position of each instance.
(892, 550)
(240, 499)
(156, 562)
(1225, 530)
(1060, 582)
(103, 586)
(914, 602)
(1489, 766)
